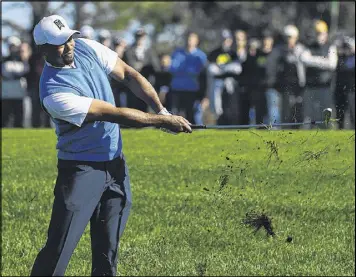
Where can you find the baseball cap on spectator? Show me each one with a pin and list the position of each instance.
(87, 32)
(226, 34)
(320, 26)
(52, 30)
(15, 41)
(290, 31)
(140, 32)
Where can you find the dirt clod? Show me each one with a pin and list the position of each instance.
(259, 220)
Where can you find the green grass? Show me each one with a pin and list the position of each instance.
(181, 223)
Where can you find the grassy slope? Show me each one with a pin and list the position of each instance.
(181, 224)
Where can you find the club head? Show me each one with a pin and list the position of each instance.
(327, 115)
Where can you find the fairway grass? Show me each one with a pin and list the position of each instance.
(183, 220)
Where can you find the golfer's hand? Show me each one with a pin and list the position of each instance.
(177, 124)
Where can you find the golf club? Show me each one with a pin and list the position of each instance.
(326, 116)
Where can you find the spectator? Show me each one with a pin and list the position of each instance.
(187, 66)
(119, 90)
(163, 81)
(242, 52)
(252, 97)
(254, 103)
(344, 93)
(320, 61)
(120, 46)
(25, 51)
(241, 45)
(222, 71)
(145, 61)
(25, 54)
(87, 32)
(285, 78)
(14, 86)
(261, 71)
(104, 37)
(39, 117)
(254, 44)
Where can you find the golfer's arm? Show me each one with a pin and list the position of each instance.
(137, 84)
(103, 111)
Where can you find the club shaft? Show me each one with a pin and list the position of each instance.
(255, 125)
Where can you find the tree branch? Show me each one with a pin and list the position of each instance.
(7, 22)
(61, 6)
(13, 6)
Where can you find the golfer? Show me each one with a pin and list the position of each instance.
(93, 182)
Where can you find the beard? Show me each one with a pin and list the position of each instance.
(68, 58)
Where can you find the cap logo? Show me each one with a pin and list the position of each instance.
(59, 24)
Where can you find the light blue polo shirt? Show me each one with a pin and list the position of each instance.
(92, 141)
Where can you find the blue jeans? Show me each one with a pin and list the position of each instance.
(274, 106)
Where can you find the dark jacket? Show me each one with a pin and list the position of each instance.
(285, 71)
(223, 58)
(345, 73)
(261, 68)
(320, 70)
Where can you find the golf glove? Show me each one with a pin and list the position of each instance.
(165, 112)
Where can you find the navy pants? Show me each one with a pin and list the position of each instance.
(98, 192)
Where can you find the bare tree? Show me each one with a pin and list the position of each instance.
(102, 15)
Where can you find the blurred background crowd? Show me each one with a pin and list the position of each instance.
(287, 68)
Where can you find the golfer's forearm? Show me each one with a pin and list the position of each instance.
(143, 89)
(134, 118)
(102, 111)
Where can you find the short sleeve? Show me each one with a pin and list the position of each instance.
(68, 107)
(106, 56)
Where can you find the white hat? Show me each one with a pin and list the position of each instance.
(14, 41)
(104, 34)
(52, 30)
(291, 31)
(87, 31)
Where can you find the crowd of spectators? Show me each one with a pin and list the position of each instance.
(271, 79)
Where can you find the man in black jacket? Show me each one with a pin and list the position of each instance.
(255, 65)
(285, 78)
(163, 80)
(344, 93)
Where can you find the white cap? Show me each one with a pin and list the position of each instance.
(14, 41)
(52, 30)
(291, 31)
(104, 34)
(87, 31)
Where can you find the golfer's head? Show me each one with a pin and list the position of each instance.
(55, 39)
